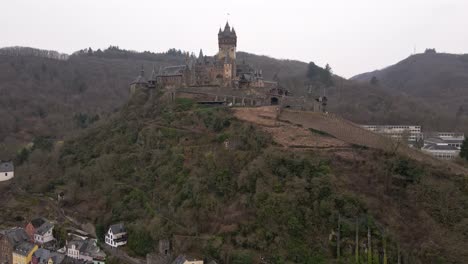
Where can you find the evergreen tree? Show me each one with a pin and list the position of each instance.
(464, 149)
(374, 81)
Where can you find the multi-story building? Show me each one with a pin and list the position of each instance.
(443, 145)
(40, 230)
(412, 133)
(85, 250)
(116, 235)
(22, 254)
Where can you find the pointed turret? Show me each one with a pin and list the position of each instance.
(220, 31)
(200, 55)
(227, 28)
(233, 31)
(142, 71)
(153, 74)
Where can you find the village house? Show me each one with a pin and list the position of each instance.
(7, 170)
(116, 235)
(86, 250)
(22, 254)
(44, 256)
(40, 230)
(9, 240)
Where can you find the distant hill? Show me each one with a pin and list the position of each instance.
(439, 79)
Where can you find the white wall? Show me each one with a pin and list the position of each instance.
(5, 176)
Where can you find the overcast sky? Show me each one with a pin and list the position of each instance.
(353, 36)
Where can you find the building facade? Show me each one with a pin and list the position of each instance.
(22, 254)
(40, 230)
(412, 134)
(443, 145)
(116, 235)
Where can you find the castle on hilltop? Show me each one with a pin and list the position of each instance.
(221, 70)
(220, 79)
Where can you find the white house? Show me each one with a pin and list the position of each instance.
(86, 250)
(116, 235)
(7, 171)
(44, 233)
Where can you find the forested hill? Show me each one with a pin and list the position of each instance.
(47, 95)
(230, 190)
(439, 79)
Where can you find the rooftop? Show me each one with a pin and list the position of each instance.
(24, 248)
(6, 166)
(118, 228)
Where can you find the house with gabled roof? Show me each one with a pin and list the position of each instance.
(44, 256)
(116, 235)
(40, 230)
(86, 250)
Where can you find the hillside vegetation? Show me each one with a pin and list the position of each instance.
(228, 189)
(45, 97)
(436, 78)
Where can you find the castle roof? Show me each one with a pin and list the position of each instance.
(141, 78)
(227, 32)
(173, 71)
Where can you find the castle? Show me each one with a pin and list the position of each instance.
(221, 70)
(220, 79)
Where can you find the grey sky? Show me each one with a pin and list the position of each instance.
(354, 36)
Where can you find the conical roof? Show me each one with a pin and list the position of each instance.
(141, 78)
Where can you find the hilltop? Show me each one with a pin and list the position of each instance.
(59, 96)
(438, 79)
(242, 184)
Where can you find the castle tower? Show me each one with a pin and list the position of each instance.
(227, 41)
(139, 83)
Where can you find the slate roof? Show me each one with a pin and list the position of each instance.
(57, 258)
(44, 228)
(6, 166)
(24, 248)
(173, 71)
(118, 228)
(88, 248)
(38, 222)
(140, 80)
(16, 236)
(42, 255)
(441, 140)
(179, 260)
(440, 147)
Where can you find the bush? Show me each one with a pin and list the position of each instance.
(140, 242)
